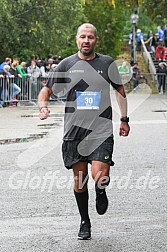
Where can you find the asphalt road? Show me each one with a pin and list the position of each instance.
(37, 207)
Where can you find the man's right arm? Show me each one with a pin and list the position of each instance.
(43, 102)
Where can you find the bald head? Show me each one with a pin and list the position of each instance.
(87, 26)
(86, 39)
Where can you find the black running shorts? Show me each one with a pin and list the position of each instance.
(102, 153)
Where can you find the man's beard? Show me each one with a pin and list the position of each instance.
(86, 53)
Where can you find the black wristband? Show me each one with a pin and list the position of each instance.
(125, 119)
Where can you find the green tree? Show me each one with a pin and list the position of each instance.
(109, 20)
(38, 27)
(156, 10)
(49, 27)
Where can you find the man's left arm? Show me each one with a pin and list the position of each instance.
(122, 103)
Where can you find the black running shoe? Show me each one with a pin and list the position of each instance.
(84, 231)
(101, 201)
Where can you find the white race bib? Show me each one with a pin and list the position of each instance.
(88, 100)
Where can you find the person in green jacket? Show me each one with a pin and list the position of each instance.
(124, 71)
(22, 71)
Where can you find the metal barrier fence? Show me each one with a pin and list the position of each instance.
(20, 89)
(27, 89)
(148, 59)
(156, 82)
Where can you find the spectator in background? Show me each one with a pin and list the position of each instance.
(13, 71)
(160, 33)
(165, 36)
(16, 60)
(151, 43)
(22, 71)
(148, 41)
(50, 56)
(135, 76)
(50, 61)
(7, 61)
(34, 58)
(56, 61)
(8, 85)
(34, 70)
(59, 58)
(124, 71)
(45, 69)
(149, 34)
(44, 73)
(4, 84)
(139, 37)
(162, 74)
(160, 52)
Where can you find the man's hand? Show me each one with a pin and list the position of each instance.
(44, 113)
(124, 129)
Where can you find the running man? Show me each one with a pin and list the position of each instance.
(88, 131)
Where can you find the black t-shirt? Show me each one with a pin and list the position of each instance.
(88, 111)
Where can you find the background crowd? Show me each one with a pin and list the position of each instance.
(156, 43)
(23, 80)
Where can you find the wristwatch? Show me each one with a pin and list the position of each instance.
(125, 119)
